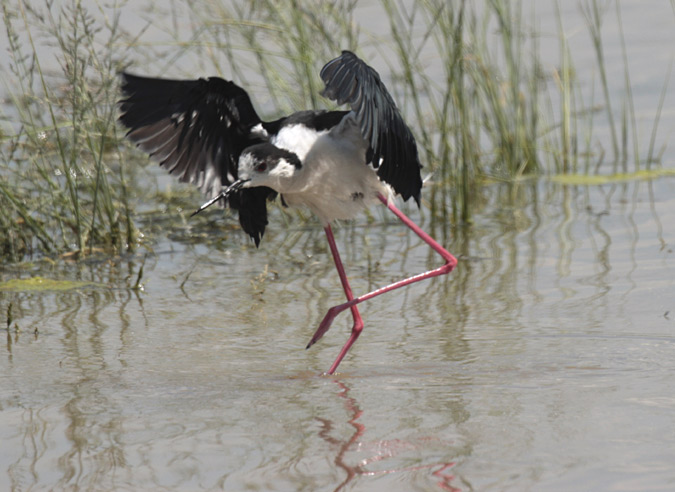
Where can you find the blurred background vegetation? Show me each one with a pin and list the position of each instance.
(468, 76)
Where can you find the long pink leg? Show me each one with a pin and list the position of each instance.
(358, 321)
(450, 263)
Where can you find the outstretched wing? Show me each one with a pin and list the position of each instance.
(196, 129)
(393, 150)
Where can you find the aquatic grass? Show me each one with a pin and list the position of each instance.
(629, 105)
(59, 190)
(563, 78)
(468, 76)
(593, 15)
(657, 117)
(271, 48)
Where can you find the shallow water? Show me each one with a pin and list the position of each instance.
(545, 361)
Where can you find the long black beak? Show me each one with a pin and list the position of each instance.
(222, 195)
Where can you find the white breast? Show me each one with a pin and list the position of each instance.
(334, 182)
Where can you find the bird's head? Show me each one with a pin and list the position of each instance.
(261, 165)
(267, 165)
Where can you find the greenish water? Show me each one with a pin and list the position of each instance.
(545, 361)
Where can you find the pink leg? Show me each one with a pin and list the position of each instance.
(450, 263)
(358, 322)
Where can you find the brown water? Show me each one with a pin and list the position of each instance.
(545, 361)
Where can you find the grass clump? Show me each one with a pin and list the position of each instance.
(468, 76)
(63, 186)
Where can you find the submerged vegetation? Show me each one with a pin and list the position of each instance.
(468, 77)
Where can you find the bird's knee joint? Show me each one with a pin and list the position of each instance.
(448, 267)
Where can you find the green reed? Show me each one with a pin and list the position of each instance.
(63, 183)
(468, 76)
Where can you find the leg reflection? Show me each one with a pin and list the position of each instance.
(381, 449)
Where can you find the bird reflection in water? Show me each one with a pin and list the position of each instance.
(383, 449)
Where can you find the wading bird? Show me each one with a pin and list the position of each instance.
(335, 163)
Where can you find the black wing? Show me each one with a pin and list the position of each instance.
(393, 150)
(196, 129)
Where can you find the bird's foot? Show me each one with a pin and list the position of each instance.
(325, 324)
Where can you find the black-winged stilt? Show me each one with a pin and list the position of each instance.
(336, 163)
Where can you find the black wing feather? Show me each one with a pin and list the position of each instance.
(393, 150)
(197, 129)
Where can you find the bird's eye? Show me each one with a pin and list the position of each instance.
(261, 168)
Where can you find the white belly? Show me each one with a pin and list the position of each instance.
(337, 183)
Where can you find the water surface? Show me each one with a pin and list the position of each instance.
(544, 361)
